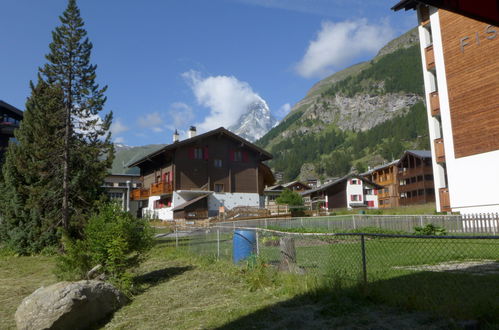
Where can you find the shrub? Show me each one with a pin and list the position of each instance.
(430, 230)
(114, 239)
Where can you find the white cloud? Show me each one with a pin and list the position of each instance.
(150, 120)
(118, 127)
(119, 139)
(180, 115)
(225, 96)
(283, 110)
(339, 44)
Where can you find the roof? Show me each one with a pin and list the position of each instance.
(419, 153)
(293, 182)
(192, 201)
(11, 108)
(486, 10)
(379, 167)
(221, 130)
(330, 184)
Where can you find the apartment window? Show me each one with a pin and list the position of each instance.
(219, 187)
(217, 163)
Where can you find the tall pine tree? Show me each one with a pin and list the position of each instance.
(53, 177)
(88, 149)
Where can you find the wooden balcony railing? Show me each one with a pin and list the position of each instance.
(430, 58)
(439, 150)
(138, 194)
(434, 104)
(405, 173)
(444, 200)
(416, 186)
(161, 188)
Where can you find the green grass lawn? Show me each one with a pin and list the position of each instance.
(178, 290)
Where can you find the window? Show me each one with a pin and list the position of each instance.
(219, 187)
(356, 198)
(198, 153)
(217, 163)
(238, 156)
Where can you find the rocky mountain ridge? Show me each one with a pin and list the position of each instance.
(256, 122)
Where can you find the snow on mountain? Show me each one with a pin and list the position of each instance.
(256, 122)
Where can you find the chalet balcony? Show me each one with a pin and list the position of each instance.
(434, 104)
(139, 194)
(405, 173)
(430, 58)
(444, 200)
(161, 188)
(439, 150)
(416, 186)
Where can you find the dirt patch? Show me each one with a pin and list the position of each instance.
(475, 267)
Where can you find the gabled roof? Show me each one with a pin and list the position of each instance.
(333, 183)
(220, 130)
(379, 167)
(285, 185)
(11, 108)
(482, 10)
(192, 201)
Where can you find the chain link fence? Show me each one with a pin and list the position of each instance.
(454, 274)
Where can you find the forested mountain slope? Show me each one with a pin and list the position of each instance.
(364, 115)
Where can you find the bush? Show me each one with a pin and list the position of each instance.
(430, 230)
(114, 239)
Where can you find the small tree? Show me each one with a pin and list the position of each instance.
(113, 239)
(293, 199)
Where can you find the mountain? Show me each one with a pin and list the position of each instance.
(254, 123)
(124, 155)
(361, 116)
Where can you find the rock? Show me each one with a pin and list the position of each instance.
(69, 305)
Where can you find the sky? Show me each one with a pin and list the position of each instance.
(175, 63)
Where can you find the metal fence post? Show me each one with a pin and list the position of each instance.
(218, 244)
(257, 245)
(176, 237)
(364, 267)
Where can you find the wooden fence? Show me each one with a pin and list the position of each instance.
(482, 222)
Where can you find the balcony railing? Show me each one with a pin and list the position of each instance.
(416, 186)
(138, 194)
(430, 58)
(161, 188)
(444, 200)
(434, 104)
(439, 150)
(405, 173)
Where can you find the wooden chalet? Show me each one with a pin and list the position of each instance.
(415, 176)
(202, 175)
(387, 176)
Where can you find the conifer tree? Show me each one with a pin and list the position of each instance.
(30, 194)
(88, 149)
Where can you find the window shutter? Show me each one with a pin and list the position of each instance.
(245, 156)
(165, 177)
(360, 197)
(232, 155)
(205, 153)
(191, 153)
(171, 176)
(375, 191)
(352, 197)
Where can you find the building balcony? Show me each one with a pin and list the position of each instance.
(405, 173)
(434, 104)
(444, 200)
(430, 58)
(416, 186)
(139, 194)
(161, 188)
(439, 150)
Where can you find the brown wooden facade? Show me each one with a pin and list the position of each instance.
(415, 175)
(10, 118)
(386, 176)
(218, 161)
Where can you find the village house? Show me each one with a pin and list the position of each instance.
(118, 188)
(459, 42)
(271, 193)
(201, 176)
(386, 175)
(10, 118)
(350, 191)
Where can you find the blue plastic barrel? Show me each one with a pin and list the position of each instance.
(244, 244)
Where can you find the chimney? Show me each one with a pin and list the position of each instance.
(175, 136)
(192, 132)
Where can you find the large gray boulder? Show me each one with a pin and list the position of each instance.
(69, 305)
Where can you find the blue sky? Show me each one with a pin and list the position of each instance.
(171, 64)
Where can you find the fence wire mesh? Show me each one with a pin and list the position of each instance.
(456, 274)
